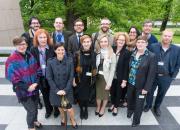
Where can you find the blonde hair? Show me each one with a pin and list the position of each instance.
(98, 47)
(116, 36)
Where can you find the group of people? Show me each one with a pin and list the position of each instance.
(68, 67)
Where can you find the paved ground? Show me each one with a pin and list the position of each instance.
(12, 114)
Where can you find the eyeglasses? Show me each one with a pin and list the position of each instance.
(79, 25)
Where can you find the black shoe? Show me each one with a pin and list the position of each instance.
(38, 125)
(96, 113)
(110, 109)
(115, 113)
(63, 123)
(85, 114)
(47, 115)
(56, 114)
(157, 111)
(75, 126)
(129, 114)
(100, 115)
(146, 109)
(134, 124)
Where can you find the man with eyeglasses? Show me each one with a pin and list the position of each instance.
(74, 40)
(60, 36)
(146, 32)
(104, 29)
(34, 25)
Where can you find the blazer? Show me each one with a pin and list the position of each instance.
(109, 66)
(146, 72)
(122, 67)
(73, 44)
(66, 35)
(174, 57)
(49, 53)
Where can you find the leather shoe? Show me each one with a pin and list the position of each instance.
(38, 125)
(157, 111)
(85, 114)
(47, 115)
(134, 124)
(96, 113)
(56, 114)
(146, 109)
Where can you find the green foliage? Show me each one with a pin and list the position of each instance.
(122, 13)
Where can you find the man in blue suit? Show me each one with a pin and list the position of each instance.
(168, 63)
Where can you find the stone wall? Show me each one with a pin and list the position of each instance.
(10, 21)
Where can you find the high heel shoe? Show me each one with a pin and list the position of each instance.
(115, 113)
(74, 126)
(96, 113)
(63, 123)
(110, 109)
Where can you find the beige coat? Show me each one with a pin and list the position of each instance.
(109, 67)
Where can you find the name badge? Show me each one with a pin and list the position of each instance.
(141, 96)
(43, 66)
(88, 74)
(160, 63)
(101, 72)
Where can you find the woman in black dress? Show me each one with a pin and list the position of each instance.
(85, 69)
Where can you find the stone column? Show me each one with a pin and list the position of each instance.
(11, 24)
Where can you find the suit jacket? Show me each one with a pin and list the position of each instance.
(109, 66)
(73, 44)
(66, 35)
(146, 72)
(122, 67)
(174, 57)
(49, 53)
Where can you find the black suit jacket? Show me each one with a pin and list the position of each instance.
(146, 72)
(122, 68)
(49, 53)
(174, 57)
(66, 35)
(73, 44)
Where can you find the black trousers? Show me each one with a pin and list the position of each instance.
(117, 93)
(135, 101)
(163, 83)
(45, 90)
(31, 107)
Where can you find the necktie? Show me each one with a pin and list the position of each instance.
(58, 38)
(79, 43)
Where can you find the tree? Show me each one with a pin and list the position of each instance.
(122, 13)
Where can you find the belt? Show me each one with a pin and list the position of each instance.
(163, 75)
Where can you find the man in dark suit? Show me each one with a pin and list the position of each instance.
(168, 56)
(146, 32)
(74, 40)
(34, 25)
(59, 35)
